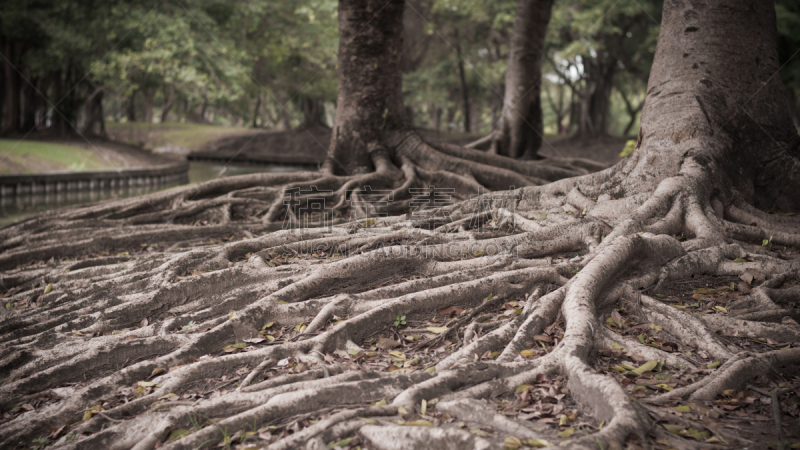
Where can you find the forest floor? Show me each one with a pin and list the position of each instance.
(736, 419)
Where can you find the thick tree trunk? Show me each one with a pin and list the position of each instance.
(519, 134)
(713, 101)
(370, 100)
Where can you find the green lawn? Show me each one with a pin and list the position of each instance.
(152, 135)
(34, 157)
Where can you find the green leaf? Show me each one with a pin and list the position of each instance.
(673, 428)
(567, 433)
(739, 260)
(177, 434)
(49, 288)
(683, 409)
(343, 442)
(537, 443)
(646, 367)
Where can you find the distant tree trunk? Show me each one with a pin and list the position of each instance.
(59, 121)
(95, 120)
(313, 112)
(30, 105)
(203, 107)
(633, 111)
(558, 107)
(131, 107)
(370, 99)
(181, 109)
(599, 107)
(256, 111)
(148, 93)
(519, 134)
(462, 76)
(11, 110)
(170, 100)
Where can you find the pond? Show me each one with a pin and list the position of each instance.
(16, 208)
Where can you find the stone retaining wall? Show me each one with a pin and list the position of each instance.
(56, 182)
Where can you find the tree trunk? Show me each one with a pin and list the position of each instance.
(791, 98)
(462, 78)
(713, 101)
(148, 93)
(256, 111)
(95, 119)
(31, 105)
(169, 101)
(11, 110)
(370, 100)
(519, 134)
(313, 112)
(203, 107)
(131, 107)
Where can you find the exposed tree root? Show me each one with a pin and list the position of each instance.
(318, 308)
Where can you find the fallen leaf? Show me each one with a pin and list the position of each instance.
(419, 423)
(537, 443)
(177, 434)
(567, 433)
(437, 330)
(386, 343)
(646, 367)
(450, 310)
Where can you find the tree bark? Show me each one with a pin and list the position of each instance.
(313, 112)
(168, 102)
(462, 78)
(95, 119)
(370, 100)
(256, 111)
(131, 107)
(31, 105)
(148, 93)
(11, 111)
(713, 100)
(519, 134)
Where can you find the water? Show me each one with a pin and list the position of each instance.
(20, 207)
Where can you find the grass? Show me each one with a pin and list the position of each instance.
(34, 156)
(152, 135)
